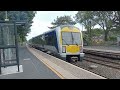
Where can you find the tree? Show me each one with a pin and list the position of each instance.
(86, 18)
(20, 15)
(102, 18)
(97, 32)
(105, 20)
(116, 19)
(63, 20)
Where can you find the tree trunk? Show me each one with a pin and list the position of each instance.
(89, 36)
(106, 35)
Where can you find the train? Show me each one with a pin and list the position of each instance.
(64, 41)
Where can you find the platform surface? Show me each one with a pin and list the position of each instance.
(38, 65)
(115, 49)
(11, 70)
(31, 68)
(63, 68)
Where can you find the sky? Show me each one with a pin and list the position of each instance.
(43, 19)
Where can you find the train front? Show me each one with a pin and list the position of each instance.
(71, 43)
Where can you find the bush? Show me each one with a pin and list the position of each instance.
(113, 38)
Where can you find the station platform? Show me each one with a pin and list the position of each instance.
(31, 66)
(39, 65)
(114, 49)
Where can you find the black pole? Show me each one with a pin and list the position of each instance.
(16, 44)
(0, 61)
(0, 51)
(3, 48)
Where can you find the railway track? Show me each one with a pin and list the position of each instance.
(109, 59)
(99, 59)
(105, 66)
(103, 61)
(105, 54)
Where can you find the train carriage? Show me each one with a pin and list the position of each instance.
(65, 41)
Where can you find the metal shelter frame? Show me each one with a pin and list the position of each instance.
(3, 47)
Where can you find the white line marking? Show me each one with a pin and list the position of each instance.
(27, 59)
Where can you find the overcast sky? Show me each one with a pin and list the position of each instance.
(43, 19)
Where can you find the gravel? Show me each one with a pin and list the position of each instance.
(115, 48)
(101, 70)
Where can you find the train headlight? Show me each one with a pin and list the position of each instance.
(64, 49)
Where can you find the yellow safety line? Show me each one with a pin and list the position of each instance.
(56, 72)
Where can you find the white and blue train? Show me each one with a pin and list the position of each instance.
(65, 41)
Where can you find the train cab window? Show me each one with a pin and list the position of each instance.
(71, 38)
(77, 38)
(66, 38)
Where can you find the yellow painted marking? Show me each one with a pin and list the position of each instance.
(73, 48)
(67, 29)
(56, 72)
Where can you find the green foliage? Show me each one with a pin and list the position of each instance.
(105, 20)
(37, 40)
(109, 21)
(116, 19)
(20, 16)
(86, 18)
(113, 38)
(97, 32)
(63, 20)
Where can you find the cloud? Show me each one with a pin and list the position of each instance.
(43, 19)
(38, 28)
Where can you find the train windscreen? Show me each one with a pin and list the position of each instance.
(71, 38)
